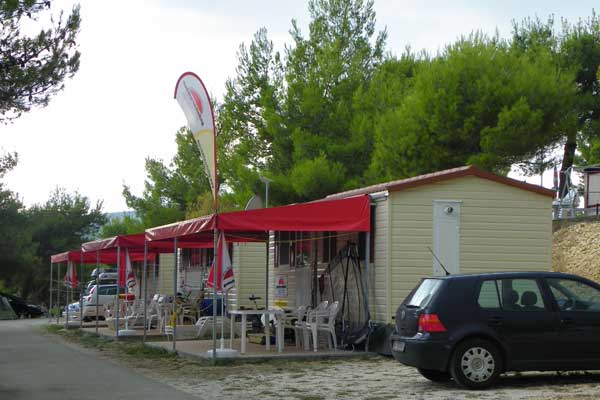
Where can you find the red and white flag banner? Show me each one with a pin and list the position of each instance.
(70, 279)
(225, 277)
(126, 274)
(193, 98)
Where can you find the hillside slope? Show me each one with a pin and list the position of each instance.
(576, 249)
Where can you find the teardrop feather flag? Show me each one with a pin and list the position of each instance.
(193, 98)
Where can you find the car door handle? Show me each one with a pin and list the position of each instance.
(566, 321)
(495, 321)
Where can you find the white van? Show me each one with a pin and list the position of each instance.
(106, 296)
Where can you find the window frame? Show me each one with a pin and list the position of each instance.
(541, 286)
(553, 299)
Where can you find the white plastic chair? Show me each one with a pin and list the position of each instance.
(135, 314)
(153, 314)
(300, 324)
(328, 325)
(312, 319)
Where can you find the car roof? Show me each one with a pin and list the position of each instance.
(507, 274)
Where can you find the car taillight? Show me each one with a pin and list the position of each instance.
(430, 323)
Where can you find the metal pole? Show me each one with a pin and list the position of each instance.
(214, 299)
(267, 274)
(118, 287)
(267, 194)
(97, 288)
(367, 261)
(174, 316)
(50, 303)
(58, 294)
(156, 256)
(144, 284)
(81, 292)
(67, 297)
(267, 315)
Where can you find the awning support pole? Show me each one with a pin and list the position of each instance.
(367, 261)
(267, 278)
(97, 288)
(81, 292)
(50, 308)
(144, 284)
(174, 316)
(58, 294)
(67, 298)
(118, 287)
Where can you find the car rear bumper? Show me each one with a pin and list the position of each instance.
(90, 311)
(421, 352)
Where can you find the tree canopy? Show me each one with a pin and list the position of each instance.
(292, 120)
(34, 67)
(575, 48)
(478, 102)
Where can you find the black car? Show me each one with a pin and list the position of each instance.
(471, 328)
(21, 308)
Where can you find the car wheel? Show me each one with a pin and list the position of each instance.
(476, 364)
(435, 375)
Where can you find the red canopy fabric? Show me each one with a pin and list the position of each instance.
(352, 214)
(183, 228)
(104, 257)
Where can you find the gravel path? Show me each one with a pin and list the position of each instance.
(372, 378)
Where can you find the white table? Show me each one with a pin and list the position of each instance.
(279, 317)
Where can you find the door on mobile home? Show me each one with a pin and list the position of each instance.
(446, 236)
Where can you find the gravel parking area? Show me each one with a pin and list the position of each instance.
(376, 378)
(367, 378)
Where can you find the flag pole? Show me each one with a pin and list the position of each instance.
(222, 293)
(118, 288)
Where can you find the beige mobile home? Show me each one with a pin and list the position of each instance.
(472, 220)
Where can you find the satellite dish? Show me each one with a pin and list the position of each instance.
(254, 203)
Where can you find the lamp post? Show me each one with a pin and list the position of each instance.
(266, 182)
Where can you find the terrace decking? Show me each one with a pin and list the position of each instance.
(202, 349)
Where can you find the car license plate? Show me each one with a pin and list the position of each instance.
(399, 346)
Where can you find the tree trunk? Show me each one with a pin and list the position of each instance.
(567, 162)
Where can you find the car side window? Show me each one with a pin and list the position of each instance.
(108, 290)
(572, 295)
(488, 295)
(521, 295)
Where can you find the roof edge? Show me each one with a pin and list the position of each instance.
(426, 179)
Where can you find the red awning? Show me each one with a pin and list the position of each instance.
(352, 214)
(104, 257)
(183, 228)
(125, 241)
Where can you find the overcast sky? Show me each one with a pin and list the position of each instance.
(119, 108)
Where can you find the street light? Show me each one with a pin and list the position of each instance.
(266, 182)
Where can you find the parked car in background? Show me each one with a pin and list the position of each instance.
(471, 328)
(21, 308)
(106, 296)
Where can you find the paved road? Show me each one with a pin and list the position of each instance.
(33, 366)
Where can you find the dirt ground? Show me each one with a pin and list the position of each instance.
(365, 378)
(378, 378)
